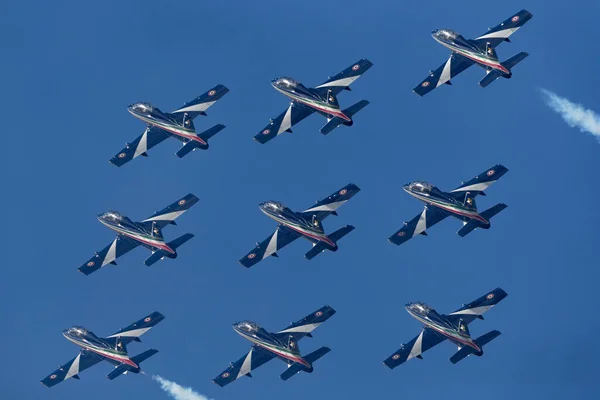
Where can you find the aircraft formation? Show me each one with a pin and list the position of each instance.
(308, 224)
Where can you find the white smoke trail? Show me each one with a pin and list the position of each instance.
(177, 391)
(575, 115)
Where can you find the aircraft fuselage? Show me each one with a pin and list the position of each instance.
(431, 319)
(155, 117)
(458, 44)
(435, 197)
(296, 222)
(88, 341)
(299, 93)
(124, 226)
(260, 337)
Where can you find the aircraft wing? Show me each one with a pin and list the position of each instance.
(281, 238)
(109, 254)
(306, 325)
(150, 138)
(500, 33)
(331, 203)
(200, 104)
(84, 360)
(295, 113)
(482, 181)
(138, 328)
(430, 216)
(344, 79)
(427, 339)
(168, 214)
(454, 66)
(469, 312)
(254, 359)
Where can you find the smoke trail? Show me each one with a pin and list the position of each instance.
(575, 115)
(178, 392)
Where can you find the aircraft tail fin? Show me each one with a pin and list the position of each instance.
(335, 236)
(124, 368)
(193, 145)
(480, 341)
(349, 112)
(487, 214)
(311, 358)
(160, 254)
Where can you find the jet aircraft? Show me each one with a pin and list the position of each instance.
(306, 224)
(321, 99)
(459, 203)
(480, 51)
(453, 326)
(283, 345)
(178, 124)
(147, 233)
(111, 349)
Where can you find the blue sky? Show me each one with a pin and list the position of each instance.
(70, 69)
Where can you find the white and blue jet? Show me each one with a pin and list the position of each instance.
(112, 349)
(178, 124)
(453, 327)
(480, 51)
(146, 233)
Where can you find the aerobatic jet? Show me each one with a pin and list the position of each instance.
(111, 349)
(306, 224)
(178, 124)
(480, 51)
(283, 345)
(147, 233)
(454, 327)
(459, 203)
(321, 99)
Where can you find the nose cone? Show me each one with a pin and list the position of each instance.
(274, 82)
(406, 187)
(433, 32)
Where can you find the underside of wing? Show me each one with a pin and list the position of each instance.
(331, 203)
(454, 66)
(109, 254)
(84, 360)
(419, 345)
(200, 104)
(281, 238)
(169, 214)
(242, 367)
(481, 182)
(430, 216)
(476, 308)
(150, 138)
(295, 113)
(500, 33)
(138, 328)
(306, 325)
(344, 79)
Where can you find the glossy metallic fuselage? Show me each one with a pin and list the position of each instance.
(124, 226)
(155, 117)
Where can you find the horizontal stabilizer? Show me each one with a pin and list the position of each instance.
(144, 356)
(480, 341)
(514, 60)
(311, 358)
(160, 254)
(321, 246)
(350, 111)
(490, 77)
(124, 368)
(487, 214)
(189, 147)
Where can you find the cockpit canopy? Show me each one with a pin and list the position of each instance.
(113, 216)
(142, 108)
(287, 82)
(420, 187)
(247, 326)
(418, 307)
(273, 206)
(445, 34)
(78, 331)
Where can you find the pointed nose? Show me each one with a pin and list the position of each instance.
(433, 32)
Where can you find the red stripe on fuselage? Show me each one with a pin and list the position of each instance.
(465, 342)
(299, 360)
(319, 238)
(193, 137)
(153, 244)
